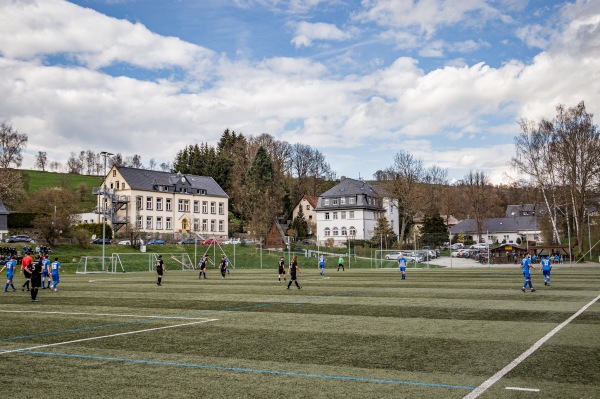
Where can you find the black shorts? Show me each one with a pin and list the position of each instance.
(36, 281)
(159, 271)
(281, 270)
(26, 274)
(292, 277)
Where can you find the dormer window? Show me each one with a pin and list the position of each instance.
(326, 201)
(202, 191)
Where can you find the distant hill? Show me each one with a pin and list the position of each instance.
(36, 180)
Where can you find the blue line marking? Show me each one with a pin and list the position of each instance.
(247, 370)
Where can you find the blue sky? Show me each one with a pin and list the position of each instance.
(446, 80)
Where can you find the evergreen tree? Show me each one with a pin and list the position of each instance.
(300, 224)
(434, 231)
(383, 235)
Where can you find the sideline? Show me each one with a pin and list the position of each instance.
(493, 379)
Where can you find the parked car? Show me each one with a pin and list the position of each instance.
(393, 256)
(191, 241)
(210, 241)
(232, 241)
(156, 241)
(100, 240)
(480, 246)
(461, 253)
(457, 246)
(413, 257)
(128, 242)
(20, 238)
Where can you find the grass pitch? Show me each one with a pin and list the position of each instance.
(354, 334)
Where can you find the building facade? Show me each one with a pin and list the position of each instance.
(163, 203)
(351, 210)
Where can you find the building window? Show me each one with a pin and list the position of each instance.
(180, 205)
(335, 215)
(343, 214)
(186, 205)
(351, 214)
(148, 202)
(212, 224)
(148, 222)
(159, 204)
(352, 232)
(196, 224)
(114, 173)
(308, 207)
(138, 203)
(326, 201)
(204, 224)
(204, 207)
(326, 215)
(168, 224)
(221, 209)
(335, 201)
(196, 206)
(117, 185)
(351, 201)
(335, 231)
(159, 223)
(327, 232)
(220, 225)
(344, 231)
(342, 201)
(168, 204)
(139, 222)
(213, 208)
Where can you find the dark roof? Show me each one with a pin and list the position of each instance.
(3, 210)
(350, 187)
(148, 180)
(497, 225)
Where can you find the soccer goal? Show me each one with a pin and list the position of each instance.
(128, 262)
(95, 264)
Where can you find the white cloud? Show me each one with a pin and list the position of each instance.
(30, 30)
(306, 33)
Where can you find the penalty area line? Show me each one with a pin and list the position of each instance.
(103, 314)
(496, 377)
(522, 389)
(3, 352)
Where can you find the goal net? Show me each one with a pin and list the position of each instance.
(131, 262)
(95, 264)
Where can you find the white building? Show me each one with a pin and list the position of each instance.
(351, 209)
(161, 202)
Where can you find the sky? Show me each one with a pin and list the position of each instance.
(445, 80)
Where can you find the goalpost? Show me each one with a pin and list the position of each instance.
(132, 262)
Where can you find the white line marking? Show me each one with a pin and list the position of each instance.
(493, 379)
(103, 314)
(523, 389)
(105, 336)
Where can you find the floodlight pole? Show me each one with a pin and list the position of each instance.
(105, 154)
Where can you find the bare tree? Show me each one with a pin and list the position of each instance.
(11, 187)
(41, 159)
(151, 164)
(478, 191)
(165, 166)
(402, 180)
(74, 165)
(91, 158)
(136, 161)
(12, 144)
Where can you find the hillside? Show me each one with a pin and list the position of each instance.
(36, 180)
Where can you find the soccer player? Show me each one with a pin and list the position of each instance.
(160, 269)
(45, 272)
(202, 266)
(341, 264)
(293, 270)
(54, 269)
(10, 266)
(402, 265)
(546, 267)
(223, 267)
(321, 264)
(525, 265)
(35, 270)
(281, 265)
(27, 259)
(227, 264)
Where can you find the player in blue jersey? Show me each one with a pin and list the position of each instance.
(45, 272)
(525, 266)
(402, 265)
(54, 269)
(546, 267)
(322, 264)
(10, 266)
